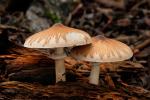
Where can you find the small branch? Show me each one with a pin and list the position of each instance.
(143, 44)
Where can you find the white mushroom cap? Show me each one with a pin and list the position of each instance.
(102, 49)
(58, 36)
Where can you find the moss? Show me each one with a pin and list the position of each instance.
(53, 16)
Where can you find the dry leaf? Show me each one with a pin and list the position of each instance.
(113, 3)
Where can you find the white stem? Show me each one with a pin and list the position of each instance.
(59, 66)
(94, 75)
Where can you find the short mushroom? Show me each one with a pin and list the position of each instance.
(102, 49)
(57, 37)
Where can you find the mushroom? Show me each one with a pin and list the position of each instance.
(57, 37)
(102, 49)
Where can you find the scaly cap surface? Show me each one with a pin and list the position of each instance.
(102, 49)
(58, 36)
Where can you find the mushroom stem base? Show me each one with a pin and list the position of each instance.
(94, 75)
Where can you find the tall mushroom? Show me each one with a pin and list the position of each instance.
(57, 37)
(102, 49)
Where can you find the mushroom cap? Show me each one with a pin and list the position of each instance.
(58, 36)
(102, 49)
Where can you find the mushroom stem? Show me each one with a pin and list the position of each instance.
(59, 65)
(94, 75)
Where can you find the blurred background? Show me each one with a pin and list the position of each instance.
(126, 20)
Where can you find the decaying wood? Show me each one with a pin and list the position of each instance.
(30, 65)
(68, 91)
